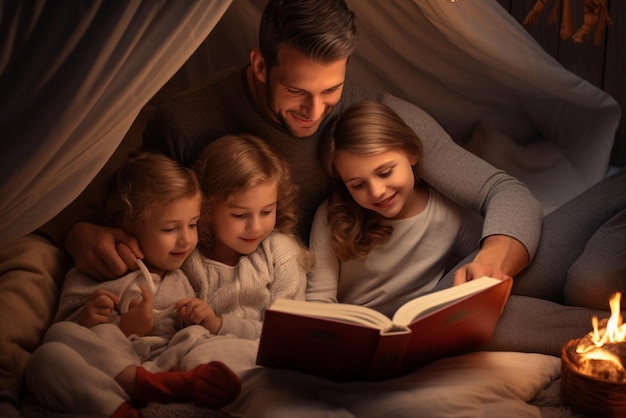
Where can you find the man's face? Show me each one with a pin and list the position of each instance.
(301, 92)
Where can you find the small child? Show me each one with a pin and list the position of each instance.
(111, 353)
(383, 237)
(249, 253)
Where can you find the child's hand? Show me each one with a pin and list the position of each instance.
(98, 308)
(198, 312)
(139, 319)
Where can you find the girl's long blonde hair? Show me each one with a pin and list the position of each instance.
(363, 129)
(232, 164)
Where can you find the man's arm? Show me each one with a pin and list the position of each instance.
(512, 216)
(500, 257)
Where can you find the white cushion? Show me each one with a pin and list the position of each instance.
(475, 385)
(542, 166)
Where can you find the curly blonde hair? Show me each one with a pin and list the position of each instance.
(363, 129)
(234, 163)
(144, 183)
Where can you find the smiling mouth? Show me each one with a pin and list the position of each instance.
(304, 123)
(386, 201)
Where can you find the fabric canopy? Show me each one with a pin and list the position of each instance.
(75, 75)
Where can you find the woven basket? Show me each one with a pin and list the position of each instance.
(590, 395)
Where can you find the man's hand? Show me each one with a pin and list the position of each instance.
(98, 308)
(139, 319)
(198, 312)
(474, 270)
(500, 257)
(100, 252)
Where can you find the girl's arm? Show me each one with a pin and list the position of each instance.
(323, 278)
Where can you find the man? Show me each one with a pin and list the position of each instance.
(295, 83)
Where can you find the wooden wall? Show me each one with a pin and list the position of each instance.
(603, 65)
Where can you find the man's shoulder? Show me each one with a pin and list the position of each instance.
(209, 88)
(415, 116)
(182, 124)
(355, 92)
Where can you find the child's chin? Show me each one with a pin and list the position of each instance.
(174, 266)
(384, 213)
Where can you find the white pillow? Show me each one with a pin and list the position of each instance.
(543, 167)
(481, 384)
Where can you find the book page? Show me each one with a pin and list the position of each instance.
(337, 311)
(422, 305)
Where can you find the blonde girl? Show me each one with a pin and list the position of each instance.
(249, 253)
(383, 236)
(115, 342)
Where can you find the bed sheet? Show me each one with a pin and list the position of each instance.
(479, 384)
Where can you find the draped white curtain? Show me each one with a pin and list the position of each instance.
(73, 77)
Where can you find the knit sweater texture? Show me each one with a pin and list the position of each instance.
(240, 294)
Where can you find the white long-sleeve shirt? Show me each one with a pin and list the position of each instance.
(417, 255)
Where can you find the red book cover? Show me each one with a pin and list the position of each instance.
(348, 342)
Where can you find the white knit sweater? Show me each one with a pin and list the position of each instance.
(241, 293)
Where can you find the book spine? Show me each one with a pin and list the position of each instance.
(389, 354)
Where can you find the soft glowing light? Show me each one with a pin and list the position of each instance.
(614, 332)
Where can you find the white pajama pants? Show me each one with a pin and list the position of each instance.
(74, 370)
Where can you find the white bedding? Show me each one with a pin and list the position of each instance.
(481, 384)
(484, 384)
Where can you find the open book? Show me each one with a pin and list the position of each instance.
(349, 342)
